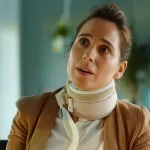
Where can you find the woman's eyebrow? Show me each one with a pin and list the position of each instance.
(85, 34)
(107, 42)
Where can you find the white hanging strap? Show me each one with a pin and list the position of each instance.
(68, 123)
(71, 129)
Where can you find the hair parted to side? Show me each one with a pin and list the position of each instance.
(112, 12)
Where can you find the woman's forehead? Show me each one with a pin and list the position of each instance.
(99, 26)
(102, 30)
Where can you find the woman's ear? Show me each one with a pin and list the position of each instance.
(121, 69)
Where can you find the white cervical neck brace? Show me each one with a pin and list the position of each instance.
(90, 105)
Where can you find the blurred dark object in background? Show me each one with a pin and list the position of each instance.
(3, 144)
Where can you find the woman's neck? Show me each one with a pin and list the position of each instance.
(77, 90)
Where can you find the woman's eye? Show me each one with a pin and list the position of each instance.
(105, 49)
(84, 42)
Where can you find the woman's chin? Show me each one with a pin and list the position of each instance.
(87, 86)
(82, 86)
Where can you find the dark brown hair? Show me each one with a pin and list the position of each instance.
(111, 12)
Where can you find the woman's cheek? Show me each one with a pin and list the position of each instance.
(69, 70)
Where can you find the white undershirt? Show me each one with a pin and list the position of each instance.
(86, 134)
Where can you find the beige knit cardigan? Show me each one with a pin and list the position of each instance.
(126, 128)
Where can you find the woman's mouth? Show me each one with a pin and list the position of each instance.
(84, 71)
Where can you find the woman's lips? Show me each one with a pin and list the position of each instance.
(84, 72)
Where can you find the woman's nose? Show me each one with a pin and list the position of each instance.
(89, 55)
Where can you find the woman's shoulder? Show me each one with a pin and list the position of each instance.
(128, 107)
(136, 122)
(133, 114)
(30, 103)
(34, 101)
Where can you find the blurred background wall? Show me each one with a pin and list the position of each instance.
(28, 65)
(9, 62)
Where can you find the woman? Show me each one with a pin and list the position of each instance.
(86, 114)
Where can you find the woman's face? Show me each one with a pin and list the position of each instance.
(95, 54)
